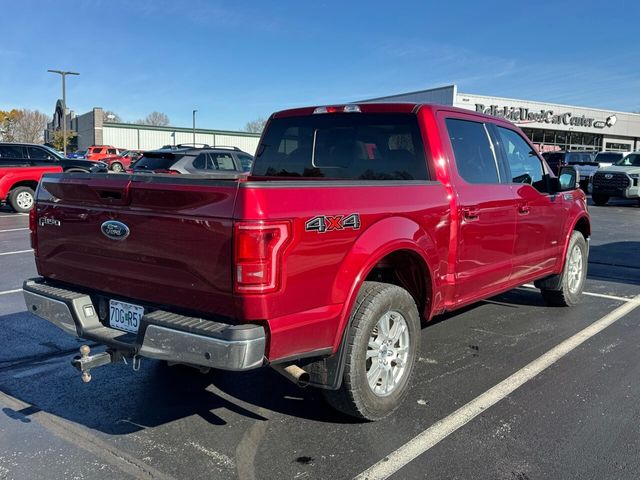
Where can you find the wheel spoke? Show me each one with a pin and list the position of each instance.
(384, 325)
(374, 344)
(398, 333)
(373, 375)
(384, 380)
(372, 353)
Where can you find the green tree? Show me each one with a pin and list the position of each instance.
(57, 140)
(8, 125)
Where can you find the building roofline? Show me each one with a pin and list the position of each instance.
(435, 89)
(549, 103)
(137, 126)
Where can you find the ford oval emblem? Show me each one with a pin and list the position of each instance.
(608, 176)
(115, 230)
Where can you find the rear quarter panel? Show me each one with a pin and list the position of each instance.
(321, 272)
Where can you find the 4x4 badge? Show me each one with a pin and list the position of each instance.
(328, 223)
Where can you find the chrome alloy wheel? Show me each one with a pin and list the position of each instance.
(24, 200)
(387, 353)
(574, 269)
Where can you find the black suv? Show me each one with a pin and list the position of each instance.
(186, 158)
(34, 155)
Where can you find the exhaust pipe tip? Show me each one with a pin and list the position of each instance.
(294, 373)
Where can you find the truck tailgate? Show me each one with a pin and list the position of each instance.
(177, 251)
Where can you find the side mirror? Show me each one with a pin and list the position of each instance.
(567, 179)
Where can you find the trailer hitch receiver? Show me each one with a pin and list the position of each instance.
(85, 362)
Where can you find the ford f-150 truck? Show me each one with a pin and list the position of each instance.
(357, 223)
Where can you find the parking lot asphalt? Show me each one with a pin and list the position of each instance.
(578, 418)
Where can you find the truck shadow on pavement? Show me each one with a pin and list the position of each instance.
(118, 401)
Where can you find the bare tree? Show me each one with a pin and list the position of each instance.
(30, 126)
(158, 119)
(255, 126)
(111, 117)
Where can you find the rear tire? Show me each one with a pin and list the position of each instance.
(21, 199)
(382, 344)
(117, 167)
(573, 275)
(599, 199)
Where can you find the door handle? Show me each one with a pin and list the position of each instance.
(471, 214)
(524, 209)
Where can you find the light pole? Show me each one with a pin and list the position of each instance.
(194, 127)
(63, 74)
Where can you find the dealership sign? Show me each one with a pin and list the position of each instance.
(524, 115)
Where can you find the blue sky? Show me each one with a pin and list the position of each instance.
(236, 61)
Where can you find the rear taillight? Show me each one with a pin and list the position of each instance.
(257, 255)
(33, 225)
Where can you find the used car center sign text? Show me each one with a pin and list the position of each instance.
(523, 114)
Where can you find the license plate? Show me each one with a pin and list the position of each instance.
(125, 316)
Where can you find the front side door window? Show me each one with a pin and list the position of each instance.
(539, 215)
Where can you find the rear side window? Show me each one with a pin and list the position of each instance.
(39, 154)
(159, 162)
(96, 150)
(474, 155)
(112, 151)
(349, 146)
(10, 151)
(246, 161)
(222, 161)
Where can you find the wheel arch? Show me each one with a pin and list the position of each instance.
(32, 184)
(395, 249)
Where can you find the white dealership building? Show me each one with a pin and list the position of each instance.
(91, 129)
(549, 126)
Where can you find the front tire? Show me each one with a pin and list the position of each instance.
(21, 199)
(382, 345)
(573, 275)
(117, 167)
(600, 199)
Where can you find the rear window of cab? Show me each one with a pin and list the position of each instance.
(351, 146)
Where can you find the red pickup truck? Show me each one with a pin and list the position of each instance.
(18, 184)
(357, 223)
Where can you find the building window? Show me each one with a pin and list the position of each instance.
(551, 140)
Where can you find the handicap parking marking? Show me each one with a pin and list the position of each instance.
(456, 420)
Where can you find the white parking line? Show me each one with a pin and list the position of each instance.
(13, 230)
(7, 292)
(592, 294)
(16, 252)
(445, 427)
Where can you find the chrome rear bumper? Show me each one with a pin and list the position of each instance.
(162, 335)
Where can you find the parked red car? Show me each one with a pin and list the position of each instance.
(18, 182)
(121, 162)
(357, 223)
(98, 152)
